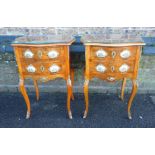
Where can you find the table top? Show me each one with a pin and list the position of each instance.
(112, 40)
(41, 39)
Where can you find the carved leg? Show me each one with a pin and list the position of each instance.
(24, 93)
(86, 98)
(122, 89)
(133, 93)
(69, 93)
(36, 88)
(72, 79)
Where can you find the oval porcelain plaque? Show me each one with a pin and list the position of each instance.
(101, 53)
(101, 68)
(53, 54)
(125, 54)
(54, 68)
(28, 54)
(124, 68)
(31, 69)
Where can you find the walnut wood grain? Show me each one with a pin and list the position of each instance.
(42, 63)
(112, 62)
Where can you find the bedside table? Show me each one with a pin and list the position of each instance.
(44, 58)
(112, 58)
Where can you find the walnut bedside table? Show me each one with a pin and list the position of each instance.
(43, 58)
(112, 58)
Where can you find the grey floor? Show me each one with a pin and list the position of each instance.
(105, 111)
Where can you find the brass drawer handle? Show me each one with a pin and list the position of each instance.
(43, 79)
(111, 78)
(113, 54)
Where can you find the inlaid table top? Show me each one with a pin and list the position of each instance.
(112, 40)
(42, 39)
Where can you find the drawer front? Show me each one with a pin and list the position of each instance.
(41, 53)
(43, 68)
(99, 67)
(109, 53)
(111, 72)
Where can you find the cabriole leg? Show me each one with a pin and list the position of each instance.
(133, 93)
(86, 83)
(36, 88)
(72, 79)
(122, 89)
(69, 93)
(26, 98)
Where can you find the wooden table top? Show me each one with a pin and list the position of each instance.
(112, 40)
(42, 39)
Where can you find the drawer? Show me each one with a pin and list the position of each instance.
(43, 53)
(43, 68)
(108, 53)
(104, 67)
